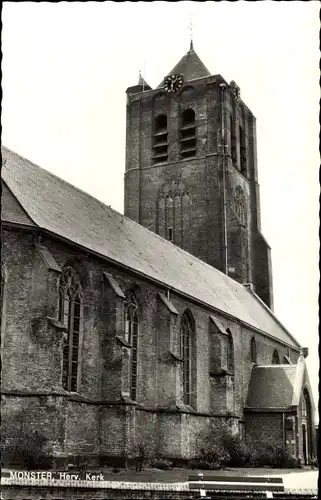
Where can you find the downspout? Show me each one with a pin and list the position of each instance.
(283, 429)
(223, 146)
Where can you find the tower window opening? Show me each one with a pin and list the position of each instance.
(160, 142)
(188, 134)
(242, 151)
(170, 234)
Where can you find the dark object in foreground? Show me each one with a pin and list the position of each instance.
(210, 486)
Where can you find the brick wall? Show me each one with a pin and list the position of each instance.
(263, 428)
(33, 355)
(201, 220)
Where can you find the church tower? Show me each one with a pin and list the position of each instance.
(191, 171)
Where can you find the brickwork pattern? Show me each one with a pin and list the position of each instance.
(97, 420)
(264, 428)
(201, 222)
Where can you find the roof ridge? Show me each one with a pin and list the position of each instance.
(216, 282)
(178, 249)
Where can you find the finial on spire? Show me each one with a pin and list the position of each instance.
(139, 77)
(191, 25)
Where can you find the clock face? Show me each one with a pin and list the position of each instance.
(173, 83)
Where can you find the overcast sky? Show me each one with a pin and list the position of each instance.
(66, 67)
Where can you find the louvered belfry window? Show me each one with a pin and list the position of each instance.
(70, 314)
(188, 134)
(160, 143)
(186, 348)
(131, 336)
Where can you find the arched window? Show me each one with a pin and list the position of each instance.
(230, 352)
(188, 133)
(306, 424)
(187, 331)
(71, 315)
(275, 357)
(253, 350)
(160, 143)
(3, 302)
(131, 336)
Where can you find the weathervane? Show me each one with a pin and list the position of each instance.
(190, 26)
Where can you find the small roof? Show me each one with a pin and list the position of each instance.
(140, 86)
(190, 66)
(271, 387)
(278, 386)
(142, 82)
(56, 206)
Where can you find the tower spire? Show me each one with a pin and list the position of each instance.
(190, 27)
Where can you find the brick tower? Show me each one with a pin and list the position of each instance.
(191, 172)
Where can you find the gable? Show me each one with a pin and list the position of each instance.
(68, 212)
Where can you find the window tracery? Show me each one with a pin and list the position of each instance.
(70, 314)
(172, 211)
(186, 333)
(131, 336)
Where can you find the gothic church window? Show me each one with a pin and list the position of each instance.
(275, 357)
(173, 211)
(131, 336)
(3, 302)
(253, 350)
(160, 143)
(71, 315)
(187, 330)
(3, 282)
(230, 352)
(188, 134)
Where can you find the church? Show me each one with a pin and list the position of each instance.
(151, 327)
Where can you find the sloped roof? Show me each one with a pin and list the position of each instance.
(190, 66)
(140, 86)
(11, 210)
(272, 387)
(143, 82)
(57, 206)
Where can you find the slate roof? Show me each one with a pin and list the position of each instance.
(272, 387)
(190, 66)
(62, 209)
